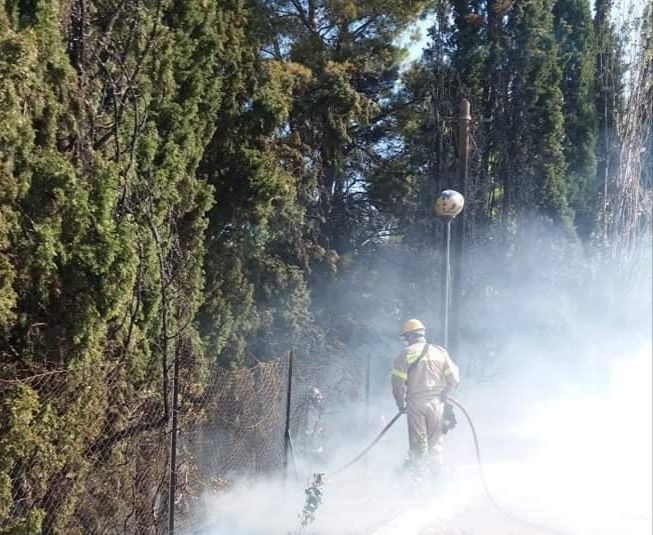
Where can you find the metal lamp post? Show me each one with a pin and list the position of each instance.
(447, 206)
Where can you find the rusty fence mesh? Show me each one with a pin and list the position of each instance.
(81, 452)
(234, 430)
(84, 451)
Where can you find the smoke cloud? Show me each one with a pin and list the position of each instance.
(555, 349)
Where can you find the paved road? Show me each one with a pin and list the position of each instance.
(481, 518)
(458, 506)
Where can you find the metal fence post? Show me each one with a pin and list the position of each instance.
(287, 445)
(172, 491)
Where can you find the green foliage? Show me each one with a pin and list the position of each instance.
(536, 112)
(505, 59)
(254, 247)
(314, 493)
(44, 437)
(26, 526)
(102, 226)
(574, 32)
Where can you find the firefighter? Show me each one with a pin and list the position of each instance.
(422, 376)
(314, 432)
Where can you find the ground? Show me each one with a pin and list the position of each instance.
(480, 518)
(531, 505)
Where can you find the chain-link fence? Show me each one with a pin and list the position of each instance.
(235, 430)
(84, 451)
(81, 451)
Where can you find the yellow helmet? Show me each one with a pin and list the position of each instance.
(412, 325)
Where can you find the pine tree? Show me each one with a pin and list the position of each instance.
(336, 121)
(354, 64)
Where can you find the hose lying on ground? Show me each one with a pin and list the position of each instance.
(485, 485)
(478, 461)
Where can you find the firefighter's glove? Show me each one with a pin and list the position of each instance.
(448, 418)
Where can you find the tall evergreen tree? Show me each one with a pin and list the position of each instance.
(503, 57)
(337, 119)
(350, 52)
(256, 300)
(106, 111)
(537, 164)
(574, 33)
(480, 52)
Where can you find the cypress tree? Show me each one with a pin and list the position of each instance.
(537, 167)
(102, 224)
(256, 301)
(574, 33)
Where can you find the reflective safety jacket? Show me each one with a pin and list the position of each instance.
(427, 378)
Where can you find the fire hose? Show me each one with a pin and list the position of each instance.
(366, 450)
(477, 450)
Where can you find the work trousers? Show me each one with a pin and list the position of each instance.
(425, 435)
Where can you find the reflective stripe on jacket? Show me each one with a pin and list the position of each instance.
(433, 374)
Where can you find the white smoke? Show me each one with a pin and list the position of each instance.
(557, 352)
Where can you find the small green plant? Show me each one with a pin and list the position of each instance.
(314, 493)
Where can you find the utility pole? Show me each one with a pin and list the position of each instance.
(287, 441)
(172, 491)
